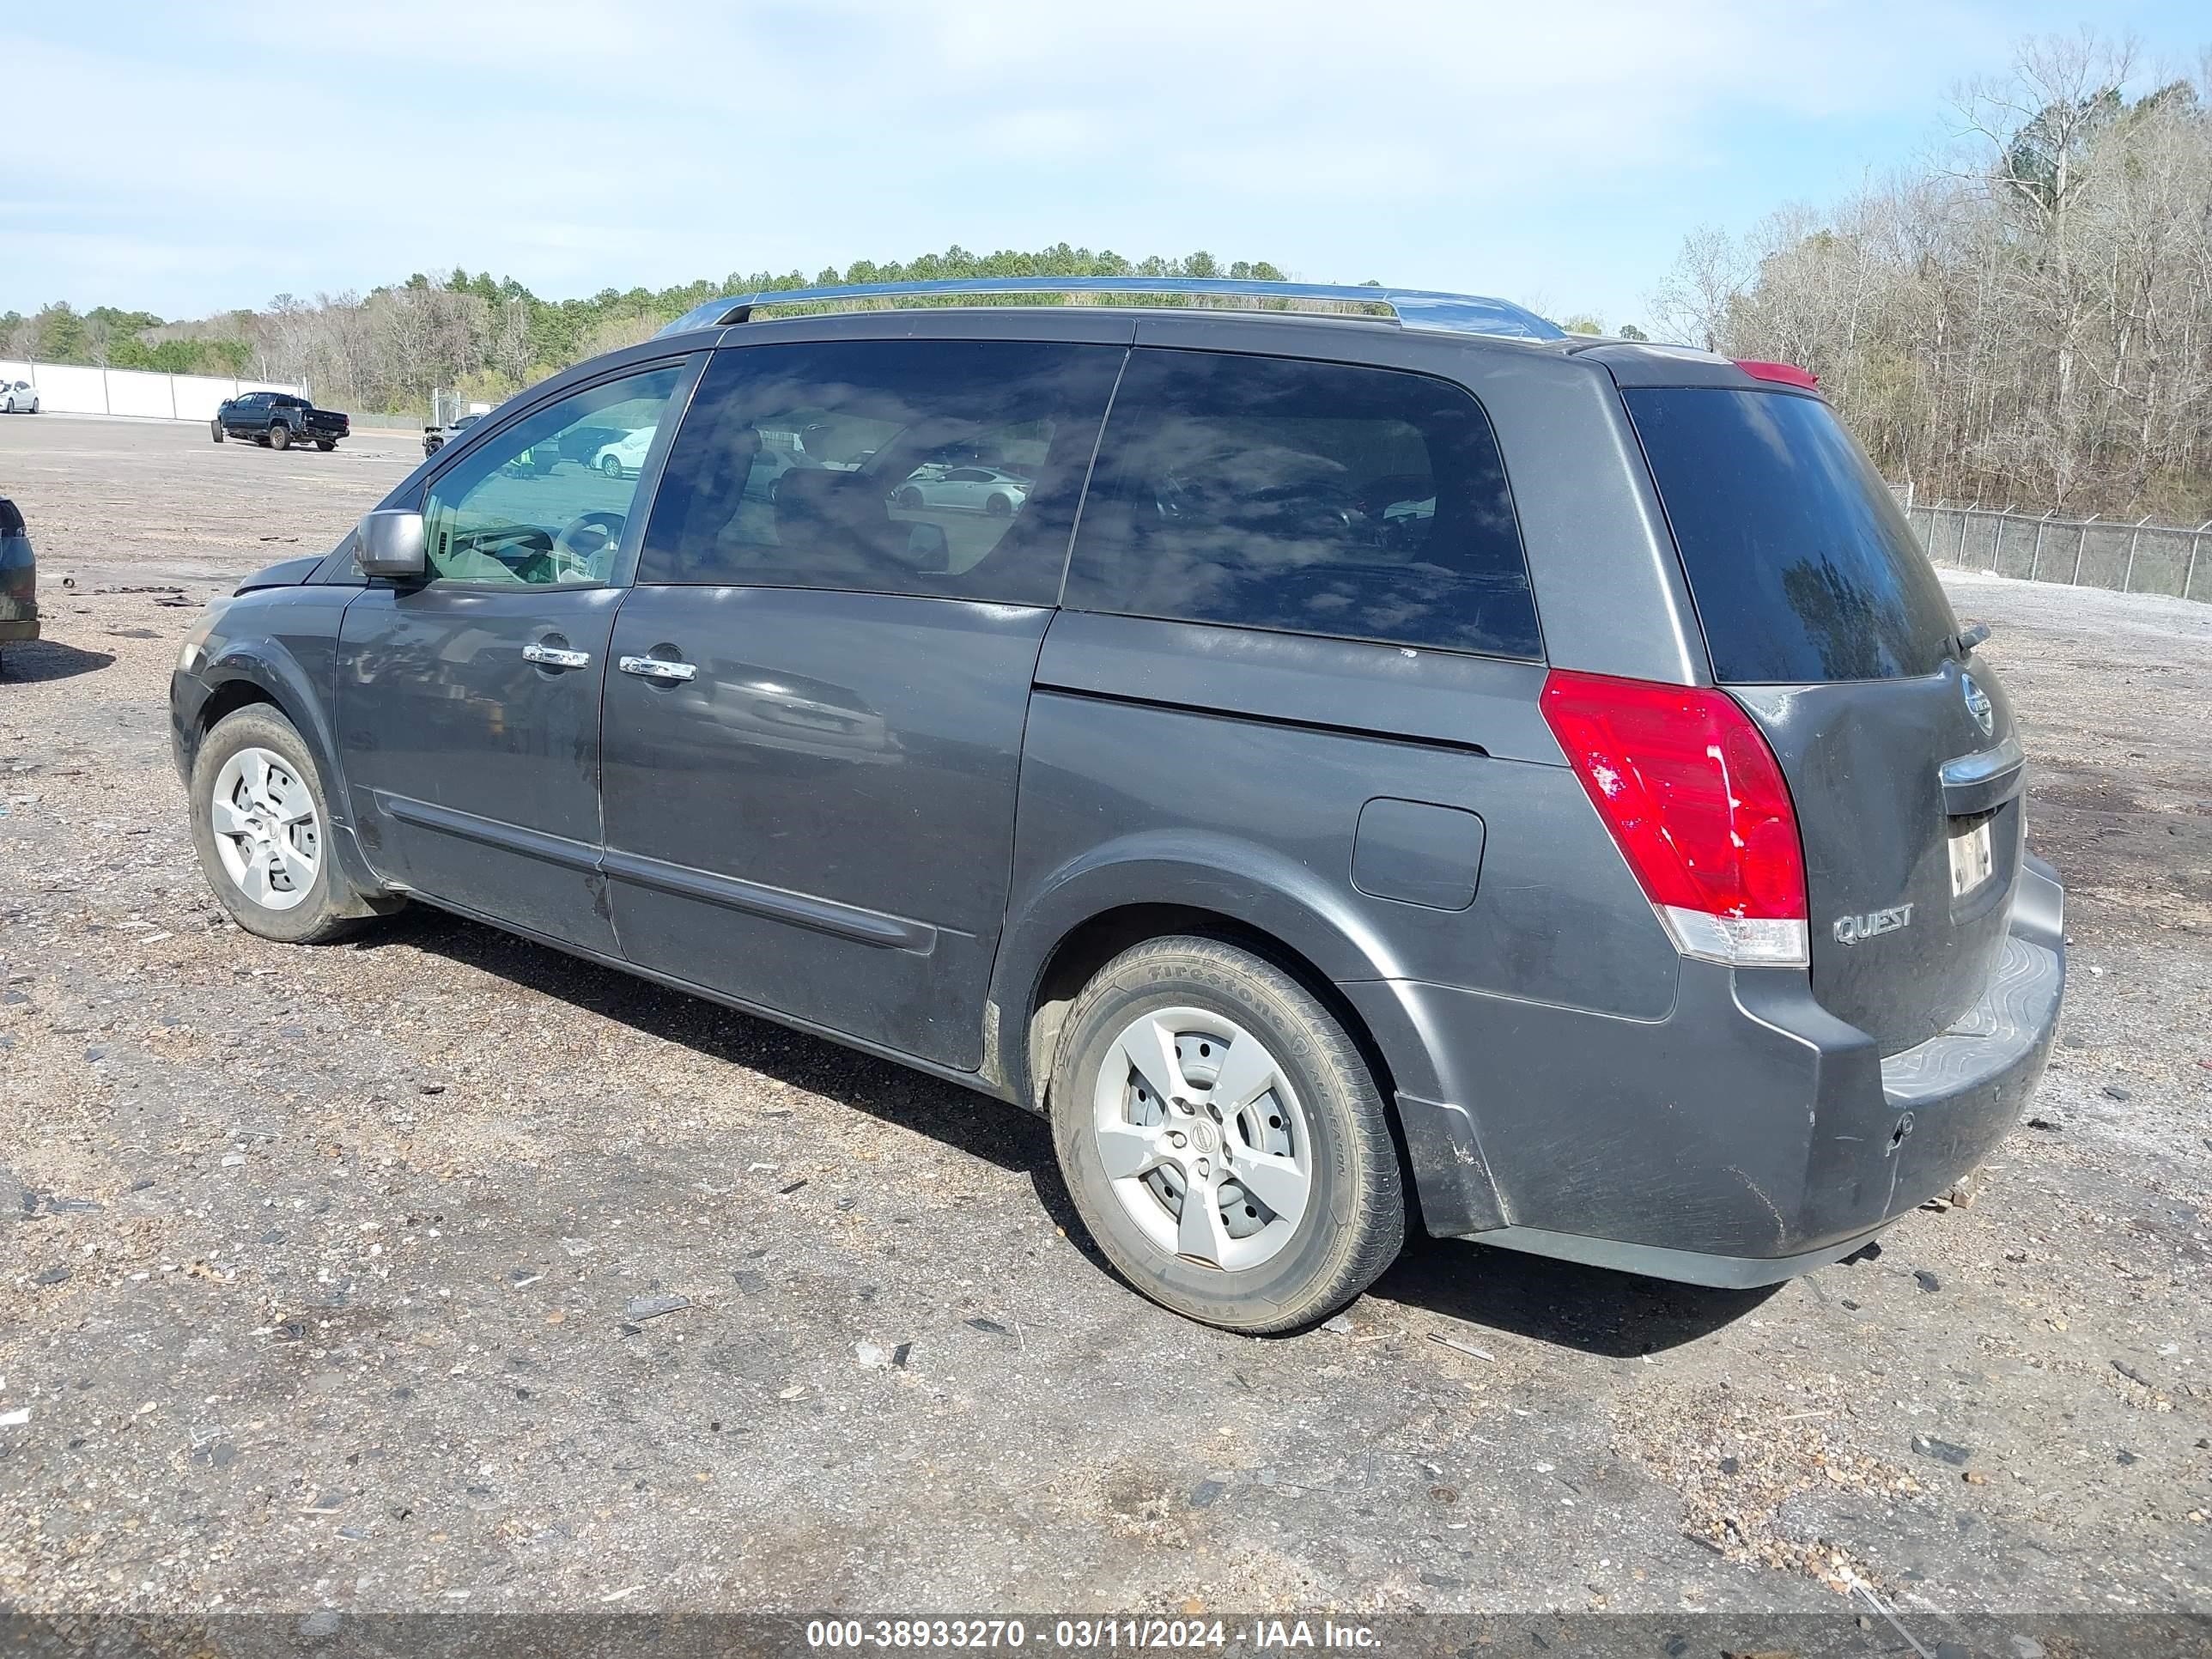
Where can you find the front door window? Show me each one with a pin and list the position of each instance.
(546, 502)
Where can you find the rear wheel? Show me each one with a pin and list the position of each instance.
(1000, 507)
(326, 445)
(279, 436)
(214, 430)
(1223, 1138)
(260, 825)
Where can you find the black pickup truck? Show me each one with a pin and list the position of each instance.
(279, 419)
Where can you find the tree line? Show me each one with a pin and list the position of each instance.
(486, 337)
(2027, 319)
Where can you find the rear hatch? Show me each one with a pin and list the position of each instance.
(1824, 621)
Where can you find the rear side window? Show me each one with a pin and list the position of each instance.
(1314, 498)
(942, 468)
(1800, 564)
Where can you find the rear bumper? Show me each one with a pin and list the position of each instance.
(18, 630)
(1747, 1137)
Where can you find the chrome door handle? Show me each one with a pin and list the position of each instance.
(658, 668)
(552, 656)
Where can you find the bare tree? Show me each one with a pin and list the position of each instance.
(1708, 277)
(2028, 319)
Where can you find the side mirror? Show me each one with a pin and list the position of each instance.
(390, 543)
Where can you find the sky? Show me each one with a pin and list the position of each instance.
(184, 157)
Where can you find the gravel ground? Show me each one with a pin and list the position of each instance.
(336, 1278)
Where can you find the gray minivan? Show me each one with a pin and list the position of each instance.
(1398, 766)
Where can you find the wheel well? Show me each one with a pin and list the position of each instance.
(1097, 941)
(227, 700)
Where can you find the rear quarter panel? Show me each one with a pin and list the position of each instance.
(1227, 770)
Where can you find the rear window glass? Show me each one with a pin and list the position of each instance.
(1801, 565)
(1315, 498)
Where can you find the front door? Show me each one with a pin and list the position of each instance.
(813, 728)
(468, 704)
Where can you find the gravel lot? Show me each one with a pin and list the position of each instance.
(327, 1277)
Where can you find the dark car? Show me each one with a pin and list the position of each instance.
(278, 419)
(1421, 771)
(19, 579)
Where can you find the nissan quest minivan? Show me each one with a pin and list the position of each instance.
(1402, 766)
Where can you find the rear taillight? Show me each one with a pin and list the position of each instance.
(1694, 800)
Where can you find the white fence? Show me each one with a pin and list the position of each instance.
(65, 390)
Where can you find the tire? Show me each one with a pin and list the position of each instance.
(909, 500)
(325, 908)
(610, 466)
(326, 445)
(1000, 507)
(1350, 1215)
(214, 430)
(279, 436)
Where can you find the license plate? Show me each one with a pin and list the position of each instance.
(1972, 862)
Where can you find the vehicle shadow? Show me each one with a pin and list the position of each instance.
(1595, 1311)
(1592, 1309)
(1013, 1139)
(47, 660)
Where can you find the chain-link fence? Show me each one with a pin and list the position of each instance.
(2137, 557)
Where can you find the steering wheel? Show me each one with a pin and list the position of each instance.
(584, 547)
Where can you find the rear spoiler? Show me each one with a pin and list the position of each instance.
(1636, 363)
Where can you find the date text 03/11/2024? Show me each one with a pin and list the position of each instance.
(1108, 1635)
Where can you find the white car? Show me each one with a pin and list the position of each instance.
(969, 489)
(625, 457)
(18, 397)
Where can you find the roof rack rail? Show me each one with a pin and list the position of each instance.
(1460, 313)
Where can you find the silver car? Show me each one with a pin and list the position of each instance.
(969, 488)
(18, 397)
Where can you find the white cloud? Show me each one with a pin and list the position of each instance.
(199, 160)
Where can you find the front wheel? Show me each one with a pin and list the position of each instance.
(214, 430)
(260, 825)
(1223, 1138)
(610, 466)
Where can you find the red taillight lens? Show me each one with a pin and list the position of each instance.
(1786, 374)
(1691, 793)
